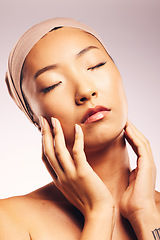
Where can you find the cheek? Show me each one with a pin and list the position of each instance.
(57, 104)
(120, 111)
(120, 106)
(116, 99)
(61, 108)
(113, 90)
(99, 135)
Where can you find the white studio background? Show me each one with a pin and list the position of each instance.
(131, 32)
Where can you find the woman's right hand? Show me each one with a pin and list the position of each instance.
(74, 177)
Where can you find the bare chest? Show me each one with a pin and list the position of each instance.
(66, 223)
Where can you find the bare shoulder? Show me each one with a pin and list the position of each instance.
(40, 214)
(11, 226)
(19, 205)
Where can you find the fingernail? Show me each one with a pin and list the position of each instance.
(77, 128)
(41, 122)
(53, 122)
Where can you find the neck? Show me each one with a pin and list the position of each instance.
(112, 166)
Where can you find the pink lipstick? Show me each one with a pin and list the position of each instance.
(95, 114)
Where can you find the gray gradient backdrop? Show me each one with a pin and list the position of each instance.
(131, 31)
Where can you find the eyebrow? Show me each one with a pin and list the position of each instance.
(85, 50)
(54, 66)
(47, 68)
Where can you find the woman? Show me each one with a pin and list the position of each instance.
(62, 77)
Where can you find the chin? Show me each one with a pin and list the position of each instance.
(102, 137)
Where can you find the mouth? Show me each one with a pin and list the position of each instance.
(95, 114)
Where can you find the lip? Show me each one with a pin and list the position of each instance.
(95, 114)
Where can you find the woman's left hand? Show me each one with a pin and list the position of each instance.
(138, 199)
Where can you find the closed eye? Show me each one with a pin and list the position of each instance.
(96, 66)
(48, 89)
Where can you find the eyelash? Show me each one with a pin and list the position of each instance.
(97, 66)
(48, 89)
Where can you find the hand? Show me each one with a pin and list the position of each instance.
(139, 196)
(74, 177)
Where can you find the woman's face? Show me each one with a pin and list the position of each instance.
(67, 73)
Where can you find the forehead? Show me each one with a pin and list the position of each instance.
(65, 40)
(65, 35)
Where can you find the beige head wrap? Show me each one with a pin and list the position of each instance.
(23, 47)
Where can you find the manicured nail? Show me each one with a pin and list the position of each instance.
(77, 128)
(41, 122)
(53, 122)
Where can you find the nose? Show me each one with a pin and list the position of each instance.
(85, 92)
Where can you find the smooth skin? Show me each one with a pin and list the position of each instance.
(94, 194)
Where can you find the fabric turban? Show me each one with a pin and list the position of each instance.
(23, 47)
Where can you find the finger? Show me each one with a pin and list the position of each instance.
(140, 147)
(78, 147)
(48, 148)
(49, 167)
(137, 132)
(61, 152)
(142, 137)
(146, 169)
(136, 139)
(133, 175)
